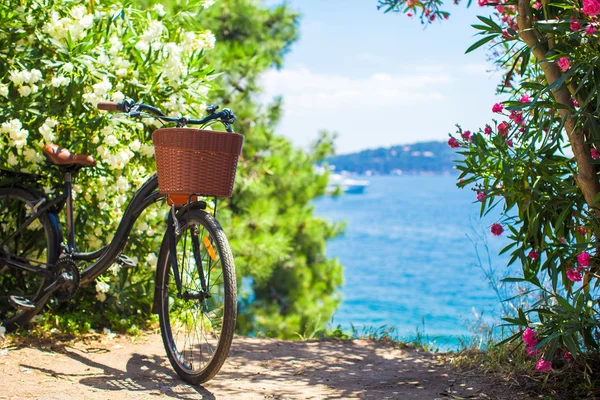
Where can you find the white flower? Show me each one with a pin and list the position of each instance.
(12, 160)
(16, 77)
(102, 287)
(151, 259)
(116, 46)
(18, 136)
(154, 32)
(59, 81)
(3, 90)
(118, 96)
(103, 59)
(111, 140)
(142, 46)
(122, 184)
(36, 75)
(68, 68)
(78, 12)
(47, 133)
(160, 10)
(25, 91)
(146, 150)
(208, 3)
(210, 40)
(135, 145)
(32, 156)
(115, 269)
(102, 88)
(101, 297)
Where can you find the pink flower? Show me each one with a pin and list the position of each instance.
(533, 255)
(567, 356)
(594, 153)
(409, 14)
(574, 275)
(562, 240)
(591, 29)
(509, 143)
(496, 229)
(500, 9)
(466, 135)
(482, 3)
(487, 130)
(582, 231)
(529, 337)
(503, 128)
(537, 5)
(525, 99)
(480, 196)
(574, 25)
(543, 365)
(531, 352)
(497, 108)
(564, 63)
(516, 116)
(583, 259)
(591, 8)
(453, 143)
(575, 103)
(461, 180)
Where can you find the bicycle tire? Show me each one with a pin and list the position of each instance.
(11, 318)
(171, 306)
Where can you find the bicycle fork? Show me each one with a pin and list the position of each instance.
(174, 229)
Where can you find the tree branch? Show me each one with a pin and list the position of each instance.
(586, 177)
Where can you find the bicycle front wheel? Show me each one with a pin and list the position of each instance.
(197, 321)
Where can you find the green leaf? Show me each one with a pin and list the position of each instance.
(480, 43)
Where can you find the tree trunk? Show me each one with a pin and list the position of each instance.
(586, 177)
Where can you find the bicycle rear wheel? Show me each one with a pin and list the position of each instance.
(37, 245)
(197, 323)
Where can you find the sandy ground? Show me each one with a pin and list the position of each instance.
(117, 368)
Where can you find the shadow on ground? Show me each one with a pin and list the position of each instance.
(255, 369)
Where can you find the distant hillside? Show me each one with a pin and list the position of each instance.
(418, 158)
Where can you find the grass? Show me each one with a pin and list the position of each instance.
(579, 379)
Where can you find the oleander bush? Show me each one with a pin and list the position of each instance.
(538, 162)
(58, 58)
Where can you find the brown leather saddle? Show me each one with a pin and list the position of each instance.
(62, 157)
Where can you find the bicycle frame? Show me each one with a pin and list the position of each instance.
(146, 195)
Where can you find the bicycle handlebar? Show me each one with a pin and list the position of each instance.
(110, 106)
(226, 116)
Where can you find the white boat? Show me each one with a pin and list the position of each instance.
(347, 185)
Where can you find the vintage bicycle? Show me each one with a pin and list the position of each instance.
(195, 289)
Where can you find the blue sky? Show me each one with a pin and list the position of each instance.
(380, 79)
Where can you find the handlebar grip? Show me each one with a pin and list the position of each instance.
(110, 106)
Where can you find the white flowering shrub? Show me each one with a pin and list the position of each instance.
(58, 59)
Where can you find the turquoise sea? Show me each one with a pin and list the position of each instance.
(408, 259)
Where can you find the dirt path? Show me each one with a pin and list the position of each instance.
(256, 369)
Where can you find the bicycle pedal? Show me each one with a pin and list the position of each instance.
(21, 303)
(125, 261)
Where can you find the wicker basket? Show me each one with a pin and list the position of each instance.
(196, 161)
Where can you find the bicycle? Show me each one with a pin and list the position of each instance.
(195, 288)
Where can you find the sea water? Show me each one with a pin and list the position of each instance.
(410, 260)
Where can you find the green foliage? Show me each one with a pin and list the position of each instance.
(534, 162)
(278, 243)
(164, 56)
